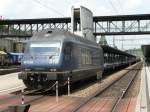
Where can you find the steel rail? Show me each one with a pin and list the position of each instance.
(99, 92)
(125, 91)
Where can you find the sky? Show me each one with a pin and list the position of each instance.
(21, 9)
(57, 8)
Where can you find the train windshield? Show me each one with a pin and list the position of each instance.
(45, 48)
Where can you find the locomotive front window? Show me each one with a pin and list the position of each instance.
(53, 48)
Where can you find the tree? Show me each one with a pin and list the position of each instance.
(103, 41)
(4, 49)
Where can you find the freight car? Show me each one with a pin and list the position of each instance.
(52, 55)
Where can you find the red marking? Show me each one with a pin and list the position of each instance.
(123, 106)
(102, 103)
(98, 105)
(127, 105)
(88, 106)
(49, 104)
(5, 96)
(132, 105)
(67, 104)
(108, 106)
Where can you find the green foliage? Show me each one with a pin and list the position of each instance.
(4, 49)
(1, 27)
(103, 41)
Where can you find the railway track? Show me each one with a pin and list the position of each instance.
(119, 93)
(77, 104)
(131, 76)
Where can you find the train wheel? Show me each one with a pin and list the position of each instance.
(38, 85)
(28, 84)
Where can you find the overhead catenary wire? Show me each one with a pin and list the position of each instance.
(66, 2)
(50, 8)
(120, 5)
(116, 11)
(69, 2)
(132, 39)
(113, 6)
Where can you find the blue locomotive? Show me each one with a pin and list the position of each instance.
(52, 55)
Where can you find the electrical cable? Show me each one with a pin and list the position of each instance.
(50, 8)
(120, 5)
(112, 5)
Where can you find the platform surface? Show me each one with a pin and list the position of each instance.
(142, 104)
(10, 83)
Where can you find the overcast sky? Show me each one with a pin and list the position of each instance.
(12, 9)
(58, 8)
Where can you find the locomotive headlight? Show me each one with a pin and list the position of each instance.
(54, 60)
(53, 70)
(28, 62)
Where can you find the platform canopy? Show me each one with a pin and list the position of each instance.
(2, 53)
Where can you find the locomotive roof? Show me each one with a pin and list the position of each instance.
(57, 34)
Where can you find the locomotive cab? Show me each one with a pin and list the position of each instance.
(41, 56)
(39, 60)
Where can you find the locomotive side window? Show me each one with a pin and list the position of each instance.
(83, 56)
(67, 53)
(86, 56)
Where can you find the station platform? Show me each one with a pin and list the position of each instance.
(140, 103)
(143, 101)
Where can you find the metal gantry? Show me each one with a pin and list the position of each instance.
(103, 25)
(26, 27)
(122, 25)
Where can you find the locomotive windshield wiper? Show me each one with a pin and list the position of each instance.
(51, 56)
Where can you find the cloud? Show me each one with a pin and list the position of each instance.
(31, 9)
(4, 6)
(132, 4)
(15, 8)
(96, 6)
